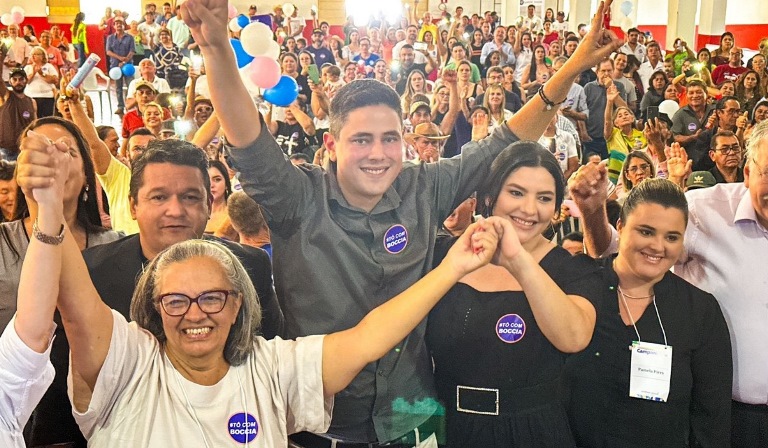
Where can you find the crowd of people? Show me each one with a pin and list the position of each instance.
(460, 234)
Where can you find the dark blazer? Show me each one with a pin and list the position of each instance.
(115, 268)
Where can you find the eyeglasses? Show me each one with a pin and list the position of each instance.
(210, 302)
(762, 172)
(730, 111)
(203, 109)
(639, 168)
(732, 149)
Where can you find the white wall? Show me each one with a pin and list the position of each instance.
(746, 12)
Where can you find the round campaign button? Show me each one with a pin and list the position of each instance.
(692, 127)
(243, 427)
(510, 328)
(395, 239)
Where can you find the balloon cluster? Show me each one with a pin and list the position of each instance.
(257, 51)
(16, 16)
(626, 9)
(127, 70)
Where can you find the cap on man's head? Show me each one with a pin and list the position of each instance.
(17, 72)
(118, 19)
(418, 105)
(318, 31)
(427, 130)
(700, 179)
(146, 85)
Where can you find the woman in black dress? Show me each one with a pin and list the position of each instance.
(500, 337)
(649, 313)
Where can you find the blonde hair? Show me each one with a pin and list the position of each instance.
(41, 51)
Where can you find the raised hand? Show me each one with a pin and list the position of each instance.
(449, 77)
(588, 187)
(509, 244)
(474, 248)
(479, 126)
(43, 168)
(612, 92)
(678, 165)
(654, 136)
(742, 121)
(207, 21)
(598, 43)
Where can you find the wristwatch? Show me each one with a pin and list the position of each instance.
(47, 239)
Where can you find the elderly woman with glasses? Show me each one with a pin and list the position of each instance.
(190, 370)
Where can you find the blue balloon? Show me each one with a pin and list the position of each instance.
(242, 57)
(626, 8)
(115, 73)
(243, 20)
(284, 93)
(129, 70)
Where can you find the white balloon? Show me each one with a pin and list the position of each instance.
(669, 108)
(6, 19)
(274, 50)
(256, 39)
(18, 9)
(234, 26)
(288, 9)
(626, 24)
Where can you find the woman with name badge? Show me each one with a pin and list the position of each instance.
(658, 371)
(500, 337)
(190, 370)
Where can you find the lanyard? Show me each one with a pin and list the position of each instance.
(632, 319)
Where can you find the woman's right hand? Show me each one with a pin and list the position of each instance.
(43, 169)
(474, 248)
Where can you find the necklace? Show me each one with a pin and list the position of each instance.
(625, 295)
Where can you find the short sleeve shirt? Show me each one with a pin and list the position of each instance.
(117, 182)
(140, 399)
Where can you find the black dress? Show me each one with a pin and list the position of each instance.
(698, 410)
(490, 340)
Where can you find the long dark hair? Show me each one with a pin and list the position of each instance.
(88, 214)
(515, 156)
(78, 20)
(225, 174)
(532, 71)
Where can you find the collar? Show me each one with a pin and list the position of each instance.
(745, 211)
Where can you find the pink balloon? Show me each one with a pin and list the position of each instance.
(232, 11)
(17, 17)
(264, 72)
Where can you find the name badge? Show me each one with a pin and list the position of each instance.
(650, 371)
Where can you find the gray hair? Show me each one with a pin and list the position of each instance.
(759, 133)
(144, 311)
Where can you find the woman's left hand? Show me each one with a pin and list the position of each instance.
(509, 245)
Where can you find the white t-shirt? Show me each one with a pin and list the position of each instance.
(565, 147)
(140, 399)
(38, 87)
(24, 377)
(151, 30)
(294, 25)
